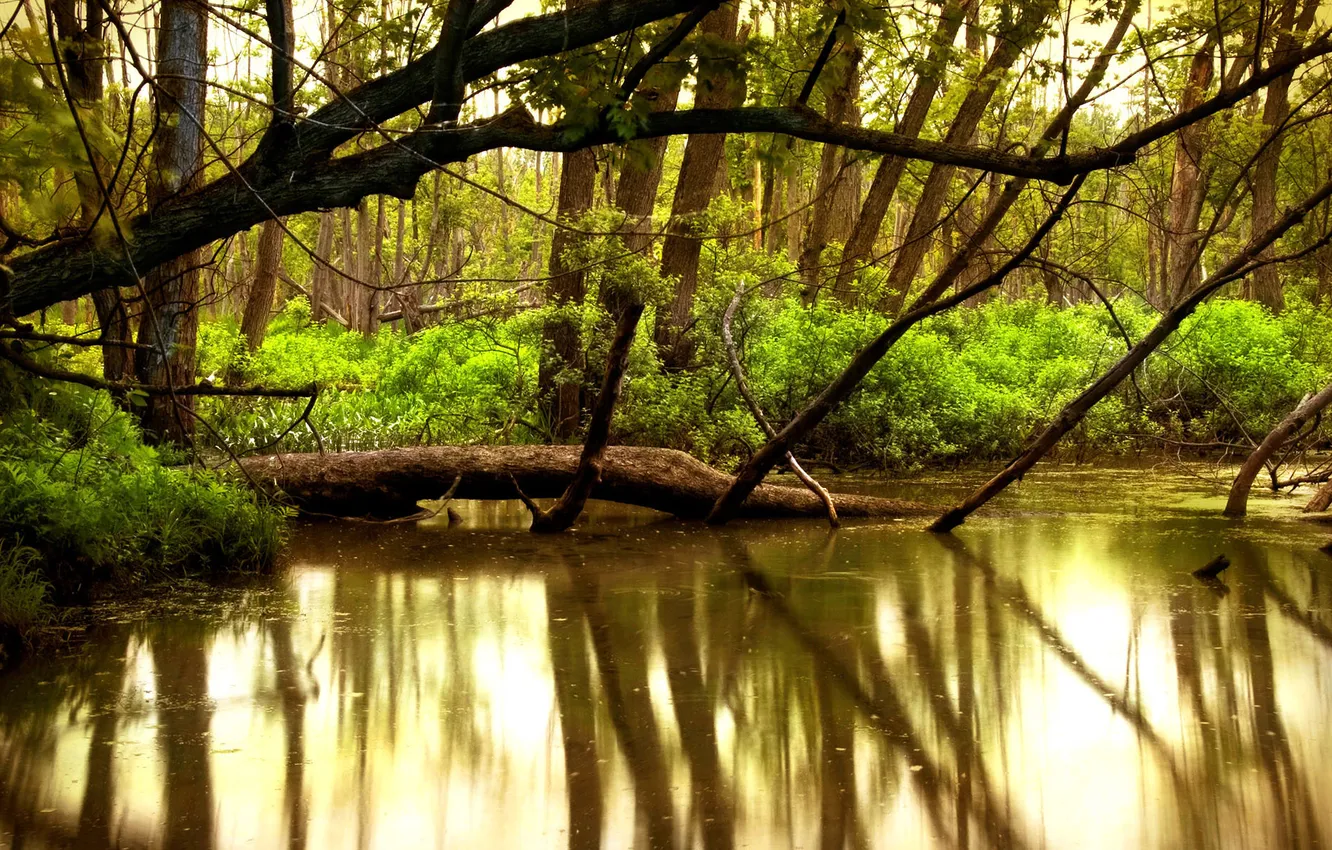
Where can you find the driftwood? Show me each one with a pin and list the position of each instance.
(1321, 500)
(1310, 406)
(388, 483)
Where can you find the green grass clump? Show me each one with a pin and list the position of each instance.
(23, 592)
(85, 504)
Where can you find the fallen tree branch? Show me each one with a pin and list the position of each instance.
(1321, 501)
(742, 384)
(592, 458)
(123, 387)
(1238, 501)
(1074, 412)
(388, 483)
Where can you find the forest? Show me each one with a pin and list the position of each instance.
(336, 258)
(665, 423)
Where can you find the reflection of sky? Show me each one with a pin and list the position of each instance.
(428, 712)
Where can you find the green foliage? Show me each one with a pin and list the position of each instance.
(23, 591)
(969, 385)
(84, 502)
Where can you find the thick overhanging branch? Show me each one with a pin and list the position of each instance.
(241, 200)
(528, 38)
(301, 177)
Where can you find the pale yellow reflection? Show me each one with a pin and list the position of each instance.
(1036, 684)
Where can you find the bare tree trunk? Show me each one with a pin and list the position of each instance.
(365, 263)
(1008, 47)
(260, 303)
(636, 194)
(590, 464)
(1237, 503)
(323, 283)
(1321, 500)
(829, 222)
(407, 295)
(1276, 109)
(694, 190)
(558, 381)
(388, 483)
(860, 242)
(170, 322)
(1182, 271)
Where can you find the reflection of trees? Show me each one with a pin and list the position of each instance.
(292, 694)
(1296, 818)
(180, 657)
(696, 716)
(577, 708)
(1024, 607)
(102, 703)
(809, 707)
(621, 659)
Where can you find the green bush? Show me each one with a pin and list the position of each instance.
(84, 502)
(972, 384)
(23, 591)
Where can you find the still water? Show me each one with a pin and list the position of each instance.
(1051, 677)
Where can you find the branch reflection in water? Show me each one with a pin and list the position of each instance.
(1040, 682)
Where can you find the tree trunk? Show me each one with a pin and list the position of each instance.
(1237, 504)
(170, 322)
(83, 63)
(636, 194)
(1266, 285)
(260, 303)
(558, 380)
(694, 190)
(1321, 501)
(1008, 47)
(388, 483)
(592, 459)
(1182, 269)
(324, 281)
(860, 242)
(830, 221)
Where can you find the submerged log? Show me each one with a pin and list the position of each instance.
(389, 483)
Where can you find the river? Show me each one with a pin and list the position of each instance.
(1049, 676)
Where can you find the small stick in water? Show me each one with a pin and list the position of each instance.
(1212, 568)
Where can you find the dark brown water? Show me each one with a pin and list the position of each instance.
(1053, 678)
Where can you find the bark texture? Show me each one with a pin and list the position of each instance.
(1187, 189)
(695, 189)
(170, 322)
(259, 305)
(1266, 284)
(389, 483)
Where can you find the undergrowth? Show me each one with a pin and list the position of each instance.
(970, 385)
(85, 505)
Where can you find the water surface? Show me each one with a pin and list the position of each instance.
(1050, 677)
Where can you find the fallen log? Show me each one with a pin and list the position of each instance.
(388, 483)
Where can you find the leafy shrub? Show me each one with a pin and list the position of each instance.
(23, 591)
(971, 384)
(86, 502)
